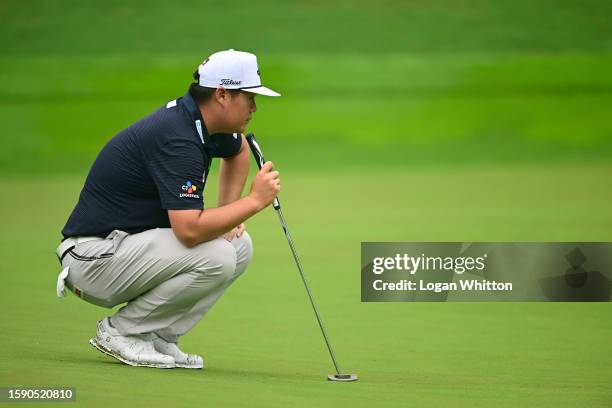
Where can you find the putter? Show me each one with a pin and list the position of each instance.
(276, 204)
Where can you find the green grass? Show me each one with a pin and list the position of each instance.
(110, 27)
(393, 82)
(399, 121)
(261, 341)
(437, 109)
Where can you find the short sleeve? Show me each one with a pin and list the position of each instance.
(226, 144)
(177, 169)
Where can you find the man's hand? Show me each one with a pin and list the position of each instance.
(235, 232)
(266, 185)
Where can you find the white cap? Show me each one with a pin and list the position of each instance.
(233, 70)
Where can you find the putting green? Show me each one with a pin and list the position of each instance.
(261, 342)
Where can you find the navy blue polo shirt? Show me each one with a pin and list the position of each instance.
(159, 163)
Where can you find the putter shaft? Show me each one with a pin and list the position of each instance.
(255, 149)
(312, 302)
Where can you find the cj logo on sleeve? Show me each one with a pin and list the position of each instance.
(189, 190)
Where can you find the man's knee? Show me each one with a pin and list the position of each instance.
(243, 246)
(216, 259)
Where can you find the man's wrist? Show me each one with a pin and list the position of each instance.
(254, 204)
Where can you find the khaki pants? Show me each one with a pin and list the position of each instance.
(167, 286)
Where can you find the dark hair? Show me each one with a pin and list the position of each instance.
(202, 94)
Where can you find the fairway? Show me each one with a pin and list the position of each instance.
(261, 341)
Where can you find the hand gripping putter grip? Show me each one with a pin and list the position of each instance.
(276, 204)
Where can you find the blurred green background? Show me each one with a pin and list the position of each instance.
(399, 121)
(378, 82)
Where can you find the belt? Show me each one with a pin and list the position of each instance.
(68, 245)
(62, 250)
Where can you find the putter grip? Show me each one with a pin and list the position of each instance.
(259, 159)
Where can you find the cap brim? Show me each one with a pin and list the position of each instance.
(261, 90)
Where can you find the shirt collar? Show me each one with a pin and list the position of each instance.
(195, 116)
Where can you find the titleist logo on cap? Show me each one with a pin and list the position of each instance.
(233, 70)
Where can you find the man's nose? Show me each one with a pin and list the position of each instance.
(253, 107)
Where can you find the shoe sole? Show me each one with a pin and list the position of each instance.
(200, 366)
(94, 342)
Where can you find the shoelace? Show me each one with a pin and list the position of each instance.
(192, 359)
(140, 346)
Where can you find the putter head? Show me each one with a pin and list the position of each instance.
(342, 377)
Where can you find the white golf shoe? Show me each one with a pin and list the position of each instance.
(132, 350)
(181, 359)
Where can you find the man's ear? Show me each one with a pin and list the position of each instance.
(222, 96)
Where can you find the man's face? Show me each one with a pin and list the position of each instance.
(240, 110)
